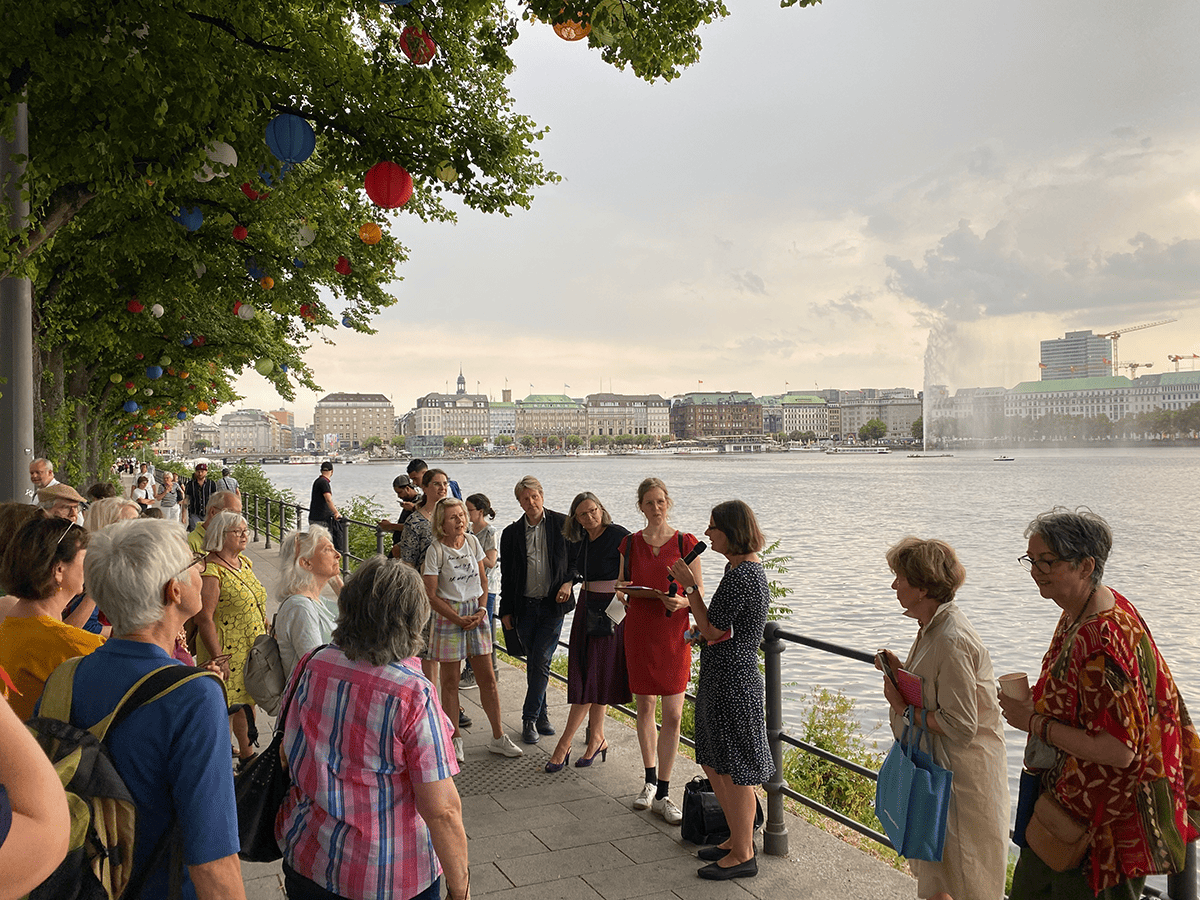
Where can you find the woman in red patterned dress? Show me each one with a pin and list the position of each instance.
(659, 660)
(1109, 731)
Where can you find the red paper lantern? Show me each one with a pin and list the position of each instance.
(417, 45)
(133, 306)
(342, 266)
(249, 191)
(388, 185)
(239, 232)
(370, 233)
(129, 385)
(306, 312)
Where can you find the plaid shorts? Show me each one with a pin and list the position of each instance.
(449, 643)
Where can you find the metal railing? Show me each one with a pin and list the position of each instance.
(259, 513)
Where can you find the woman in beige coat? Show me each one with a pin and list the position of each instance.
(958, 693)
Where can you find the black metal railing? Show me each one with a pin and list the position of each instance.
(276, 517)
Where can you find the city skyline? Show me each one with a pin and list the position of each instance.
(827, 194)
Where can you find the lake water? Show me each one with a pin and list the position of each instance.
(835, 516)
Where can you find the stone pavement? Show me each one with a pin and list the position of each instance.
(573, 835)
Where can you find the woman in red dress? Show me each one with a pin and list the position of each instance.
(657, 656)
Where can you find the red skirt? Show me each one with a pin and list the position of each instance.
(659, 660)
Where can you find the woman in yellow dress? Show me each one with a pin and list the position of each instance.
(234, 614)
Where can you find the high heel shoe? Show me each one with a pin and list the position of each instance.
(584, 761)
(553, 767)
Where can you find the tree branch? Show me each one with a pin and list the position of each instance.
(228, 28)
(65, 204)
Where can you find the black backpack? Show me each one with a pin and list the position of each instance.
(99, 863)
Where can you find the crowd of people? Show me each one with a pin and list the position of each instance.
(372, 712)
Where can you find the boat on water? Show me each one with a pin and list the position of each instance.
(929, 455)
(301, 460)
(859, 451)
(1003, 458)
(587, 453)
(696, 451)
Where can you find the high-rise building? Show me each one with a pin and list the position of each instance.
(1080, 354)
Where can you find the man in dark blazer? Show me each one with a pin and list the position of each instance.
(535, 594)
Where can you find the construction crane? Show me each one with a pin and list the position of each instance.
(1133, 367)
(1176, 359)
(1116, 336)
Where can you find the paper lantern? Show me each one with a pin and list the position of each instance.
(114, 378)
(140, 356)
(129, 385)
(199, 340)
(190, 218)
(249, 191)
(446, 173)
(240, 232)
(396, 2)
(388, 185)
(305, 235)
(187, 340)
(220, 155)
(133, 306)
(165, 361)
(130, 406)
(342, 266)
(264, 366)
(572, 31)
(156, 310)
(181, 416)
(290, 138)
(202, 406)
(279, 306)
(154, 372)
(267, 282)
(200, 269)
(246, 312)
(306, 312)
(346, 322)
(283, 367)
(370, 233)
(149, 392)
(417, 45)
(298, 262)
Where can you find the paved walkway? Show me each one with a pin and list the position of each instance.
(573, 835)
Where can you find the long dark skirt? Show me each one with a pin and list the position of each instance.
(596, 665)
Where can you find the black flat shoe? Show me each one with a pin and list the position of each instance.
(712, 854)
(714, 871)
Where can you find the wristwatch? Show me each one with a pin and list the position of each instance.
(690, 589)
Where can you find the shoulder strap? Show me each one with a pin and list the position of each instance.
(56, 696)
(679, 538)
(150, 687)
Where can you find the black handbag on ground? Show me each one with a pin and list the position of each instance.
(703, 819)
(259, 791)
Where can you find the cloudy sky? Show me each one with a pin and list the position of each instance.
(804, 206)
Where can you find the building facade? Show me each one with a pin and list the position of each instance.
(544, 415)
(614, 414)
(707, 415)
(344, 421)
(1079, 354)
(251, 431)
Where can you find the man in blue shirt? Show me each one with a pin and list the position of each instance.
(172, 753)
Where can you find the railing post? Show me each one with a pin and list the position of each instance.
(256, 518)
(1182, 886)
(269, 520)
(379, 541)
(775, 833)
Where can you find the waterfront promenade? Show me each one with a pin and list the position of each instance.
(573, 835)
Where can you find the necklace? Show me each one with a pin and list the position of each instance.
(1082, 612)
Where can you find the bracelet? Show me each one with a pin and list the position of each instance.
(1049, 725)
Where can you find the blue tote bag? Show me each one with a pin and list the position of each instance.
(912, 796)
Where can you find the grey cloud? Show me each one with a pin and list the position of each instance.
(748, 281)
(967, 276)
(722, 243)
(850, 305)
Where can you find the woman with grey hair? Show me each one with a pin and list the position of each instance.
(456, 584)
(1108, 731)
(233, 615)
(308, 561)
(104, 512)
(373, 808)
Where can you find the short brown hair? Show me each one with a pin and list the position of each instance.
(40, 545)
(931, 566)
(736, 521)
(528, 483)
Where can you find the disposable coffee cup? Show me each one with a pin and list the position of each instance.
(1015, 685)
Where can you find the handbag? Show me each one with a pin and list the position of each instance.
(259, 789)
(912, 796)
(599, 624)
(1057, 837)
(1029, 789)
(704, 821)
(263, 673)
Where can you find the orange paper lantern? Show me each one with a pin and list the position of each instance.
(267, 282)
(370, 233)
(572, 31)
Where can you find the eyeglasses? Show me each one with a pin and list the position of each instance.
(1042, 565)
(240, 532)
(70, 525)
(197, 559)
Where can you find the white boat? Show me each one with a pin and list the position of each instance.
(301, 460)
(696, 451)
(870, 451)
(1003, 458)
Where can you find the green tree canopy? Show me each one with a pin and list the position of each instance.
(873, 430)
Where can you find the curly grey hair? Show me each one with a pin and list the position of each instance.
(1075, 536)
(382, 612)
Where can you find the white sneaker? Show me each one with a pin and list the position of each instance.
(504, 746)
(668, 810)
(644, 798)
(458, 750)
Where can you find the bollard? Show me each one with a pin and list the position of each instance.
(775, 833)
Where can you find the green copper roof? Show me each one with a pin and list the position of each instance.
(1058, 385)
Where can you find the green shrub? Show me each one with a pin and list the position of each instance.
(360, 539)
(253, 481)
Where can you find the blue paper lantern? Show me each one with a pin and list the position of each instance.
(298, 263)
(154, 372)
(130, 406)
(187, 340)
(346, 321)
(191, 218)
(283, 367)
(181, 416)
(395, 2)
(253, 270)
(290, 138)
